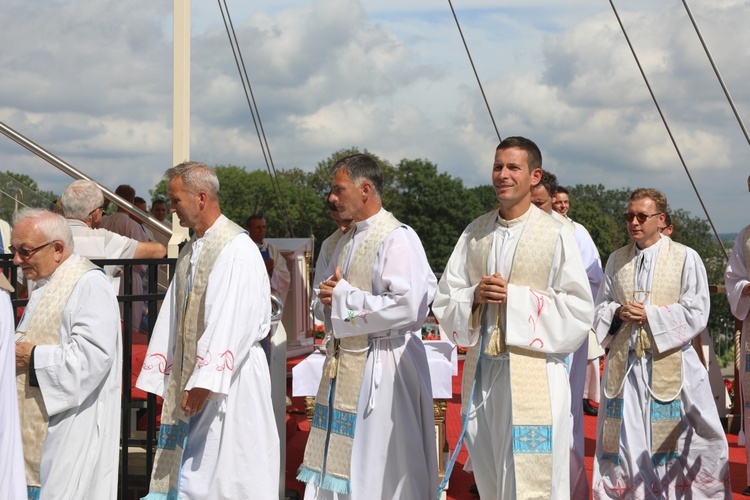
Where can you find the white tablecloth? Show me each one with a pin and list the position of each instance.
(441, 356)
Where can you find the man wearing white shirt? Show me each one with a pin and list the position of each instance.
(373, 433)
(658, 433)
(515, 292)
(278, 273)
(218, 436)
(69, 362)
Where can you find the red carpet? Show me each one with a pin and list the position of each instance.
(460, 480)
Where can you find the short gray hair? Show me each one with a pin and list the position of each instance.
(50, 224)
(196, 177)
(81, 198)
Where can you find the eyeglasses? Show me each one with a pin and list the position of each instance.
(28, 253)
(102, 208)
(642, 218)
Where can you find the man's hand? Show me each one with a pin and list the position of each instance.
(269, 266)
(746, 290)
(193, 400)
(491, 290)
(23, 356)
(633, 312)
(326, 288)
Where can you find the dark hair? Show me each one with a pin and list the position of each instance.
(158, 201)
(533, 155)
(562, 189)
(126, 192)
(256, 216)
(549, 182)
(361, 166)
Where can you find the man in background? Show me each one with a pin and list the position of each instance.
(278, 273)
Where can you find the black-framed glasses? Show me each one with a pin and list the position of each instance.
(642, 218)
(28, 253)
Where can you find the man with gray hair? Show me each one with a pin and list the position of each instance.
(218, 437)
(68, 365)
(373, 433)
(83, 203)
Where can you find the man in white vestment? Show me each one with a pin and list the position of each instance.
(326, 253)
(515, 292)
(218, 436)
(12, 476)
(83, 203)
(658, 431)
(68, 365)
(542, 197)
(737, 281)
(278, 273)
(373, 432)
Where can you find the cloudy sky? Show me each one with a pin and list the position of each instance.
(91, 80)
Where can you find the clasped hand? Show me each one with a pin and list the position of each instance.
(492, 289)
(633, 312)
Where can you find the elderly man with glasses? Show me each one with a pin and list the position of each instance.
(68, 365)
(658, 434)
(83, 203)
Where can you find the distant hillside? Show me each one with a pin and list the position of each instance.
(728, 239)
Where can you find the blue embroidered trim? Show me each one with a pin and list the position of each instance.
(171, 436)
(344, 423)
(612, 457)
(320, 417)
(664, 458)
(532, 439)
(330, 483)
(747, 362)
(33, 492)
(613, 408)
(154, 495)
(665, 411)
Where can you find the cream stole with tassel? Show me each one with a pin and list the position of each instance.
(532, 418)
(666, 372)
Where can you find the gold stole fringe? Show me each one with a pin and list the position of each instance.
(190, 316)
(532, 416)
(666, 372)
(44, 329)
(329, 467)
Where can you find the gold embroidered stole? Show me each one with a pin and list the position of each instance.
(327, 457)
(44, 329)
(746, 327)
(190, 310)
(666, 371)
(531, 407)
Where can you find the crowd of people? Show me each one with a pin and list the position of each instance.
(524, 291)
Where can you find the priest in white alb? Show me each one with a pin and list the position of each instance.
(515, 292)
(218, 437)
(737, 281)
(373, 432)
(658, 433)
(69, 365)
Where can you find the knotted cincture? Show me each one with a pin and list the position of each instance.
(496, 345)
(642, 343)
(331, 366)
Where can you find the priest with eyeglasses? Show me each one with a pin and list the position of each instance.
(658, 433)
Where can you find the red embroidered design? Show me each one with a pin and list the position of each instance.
(202, 361)
(541, 343)
(228, 358)
(539, 310)
(163, 367)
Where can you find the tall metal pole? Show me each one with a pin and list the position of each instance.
(181, 106)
